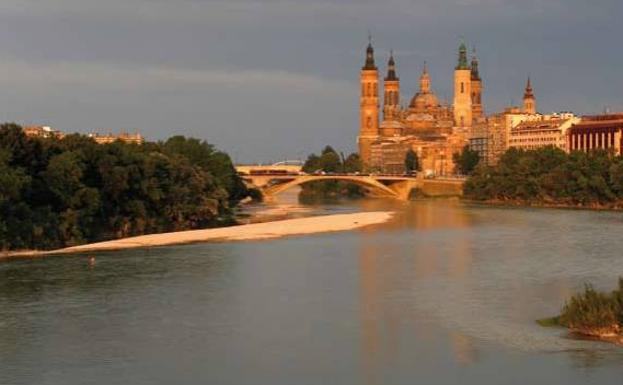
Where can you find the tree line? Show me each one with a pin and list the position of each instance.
(64, 192)
(329, 161)
(550, 176)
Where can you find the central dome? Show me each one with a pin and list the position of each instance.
(424, 100)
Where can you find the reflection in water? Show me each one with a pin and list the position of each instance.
(444, 293)
(370, 314)
(388, 269)
(463, 348)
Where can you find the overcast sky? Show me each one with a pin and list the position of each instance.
(271, 79)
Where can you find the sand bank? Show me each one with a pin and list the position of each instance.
(256, 231)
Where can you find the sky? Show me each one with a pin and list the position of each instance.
(268, 80)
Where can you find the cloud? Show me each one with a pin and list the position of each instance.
(266, 76)
(15, 73)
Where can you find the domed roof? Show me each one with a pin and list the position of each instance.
(424, 100)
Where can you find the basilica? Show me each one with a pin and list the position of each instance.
(434, 129)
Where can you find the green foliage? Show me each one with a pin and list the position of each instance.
(466, 161)
(412, 162)
(593, 311)
(549, 175)
(217, 163)
(256, 194)
(549, 322)
(353, 163)
(330, 162)
(56, 193)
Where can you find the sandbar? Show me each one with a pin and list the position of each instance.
(254, 231)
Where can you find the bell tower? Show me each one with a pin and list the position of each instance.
(477, 110)
(391, 100)
(529, 101)
(462, 90)
(368, 105)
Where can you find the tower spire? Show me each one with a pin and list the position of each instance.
(529, 101)
(425, 80)
(474, 65)
(528, 93)
(462, 64)
(391, 68)
(369, 55)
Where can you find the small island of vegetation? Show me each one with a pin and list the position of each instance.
(593, 314)
(550, 177)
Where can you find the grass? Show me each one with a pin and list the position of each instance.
(549, 322)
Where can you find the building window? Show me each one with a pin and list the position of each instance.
(462, 88)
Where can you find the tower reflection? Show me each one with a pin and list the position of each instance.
(390, 269)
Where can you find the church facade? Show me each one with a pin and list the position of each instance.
(432, 128)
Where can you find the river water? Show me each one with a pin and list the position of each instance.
(445, 293)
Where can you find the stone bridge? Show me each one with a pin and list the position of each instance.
(393, 186)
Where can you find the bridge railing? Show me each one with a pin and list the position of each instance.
(269, 173)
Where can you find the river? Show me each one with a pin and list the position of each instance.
(445, 293)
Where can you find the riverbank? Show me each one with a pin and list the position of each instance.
(545, 205)
(611, 335)
(255, 231)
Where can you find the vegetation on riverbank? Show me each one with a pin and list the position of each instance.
(466, 160)
(550, 177)
(593, 313)
(330, 162)
(63, 192)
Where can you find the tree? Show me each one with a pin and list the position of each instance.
(330, 161)
(312, 164)
(12, 183)
(219, 164)
(412, 162)
(61, 192)
(549, 175)
(466, 161)
(353, 163)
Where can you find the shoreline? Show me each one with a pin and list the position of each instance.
(536, 205)
(616, 339)
(610, 335)
(248, 232)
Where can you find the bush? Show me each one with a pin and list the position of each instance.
(591, 312)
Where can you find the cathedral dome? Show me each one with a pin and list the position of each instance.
(424, 100)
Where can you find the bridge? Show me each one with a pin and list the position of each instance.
(288, 166)
(392, 186)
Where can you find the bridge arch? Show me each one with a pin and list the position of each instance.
(367, 182)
